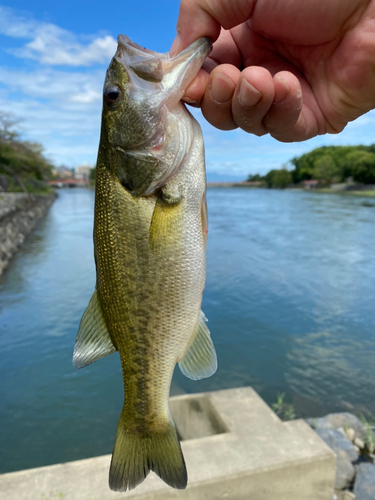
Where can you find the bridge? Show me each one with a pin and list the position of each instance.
(68, 183)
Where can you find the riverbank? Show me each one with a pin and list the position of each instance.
(18, 215)
(362, 191)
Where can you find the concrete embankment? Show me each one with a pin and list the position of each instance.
(18, 216)
(235, 448)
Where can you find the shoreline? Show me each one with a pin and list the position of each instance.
(18, 217)
(250, 185)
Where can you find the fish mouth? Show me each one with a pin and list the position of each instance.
(173, 73)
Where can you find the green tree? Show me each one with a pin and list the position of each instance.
(21, 160)
(325, 169)
(361, 166)
(281, 178)
(278, 178)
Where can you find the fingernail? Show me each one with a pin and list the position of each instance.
(281, 91)
(249, 95)
(175, 46)
(221, 88)
(190, 101)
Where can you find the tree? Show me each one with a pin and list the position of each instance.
(7, 124)
(281, 178)
(19, 159)
(254, 178)
(324, 169)
(278, 178)
(361, 166)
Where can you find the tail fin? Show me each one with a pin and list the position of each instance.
(134, 456)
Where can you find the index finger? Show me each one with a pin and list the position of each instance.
(204, 18)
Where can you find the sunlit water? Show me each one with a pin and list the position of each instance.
(289, 297)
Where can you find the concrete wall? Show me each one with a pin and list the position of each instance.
(18, 217)
(235, 448)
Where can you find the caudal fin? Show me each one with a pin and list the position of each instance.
(134, 456)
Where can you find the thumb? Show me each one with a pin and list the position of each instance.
(200, 18)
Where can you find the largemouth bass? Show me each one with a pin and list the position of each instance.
(149, 241)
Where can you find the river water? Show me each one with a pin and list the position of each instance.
(289, 297)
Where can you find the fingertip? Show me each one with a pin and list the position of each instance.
(195, 91)
(221, 88)
(284, 120)
(252, 99)
(175, 47)
(260, 79)
(217, 101)
(281, 89)
(194, 22)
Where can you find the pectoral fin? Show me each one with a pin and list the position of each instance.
(200, 360)
(93, 341)
(165, 225)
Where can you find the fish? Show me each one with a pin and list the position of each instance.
(150, 232)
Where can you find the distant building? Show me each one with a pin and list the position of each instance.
(310, 184)
(83, 172)
(62, 173)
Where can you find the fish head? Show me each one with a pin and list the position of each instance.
(141, 89)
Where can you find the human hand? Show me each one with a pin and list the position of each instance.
(289, 68)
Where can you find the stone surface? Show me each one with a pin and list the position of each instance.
(364, 486)
(343, 495)
(245, 453)
(350, 434)
(359, 442)
(18, 217)
(345, 452)
(337, 441)
(337, 420)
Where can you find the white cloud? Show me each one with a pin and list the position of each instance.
(52, 45)
(60, 108)
(62, 86)
(16, 26)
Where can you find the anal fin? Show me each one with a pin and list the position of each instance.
(93, 340)
(200, 359)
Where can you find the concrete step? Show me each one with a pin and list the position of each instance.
(235, 448)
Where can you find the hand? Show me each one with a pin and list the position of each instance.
(290, 68)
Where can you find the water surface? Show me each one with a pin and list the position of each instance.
(289, 297)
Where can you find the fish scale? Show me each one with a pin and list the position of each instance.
(149, 240)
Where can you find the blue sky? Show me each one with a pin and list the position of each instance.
(53, 57)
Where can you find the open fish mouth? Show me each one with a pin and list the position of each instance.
(159, 67)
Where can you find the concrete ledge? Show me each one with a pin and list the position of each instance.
(242, 451)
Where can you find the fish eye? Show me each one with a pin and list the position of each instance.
(112, 94)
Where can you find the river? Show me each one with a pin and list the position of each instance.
(289, 297)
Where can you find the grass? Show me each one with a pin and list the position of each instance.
(370, 435)
(283, 410)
